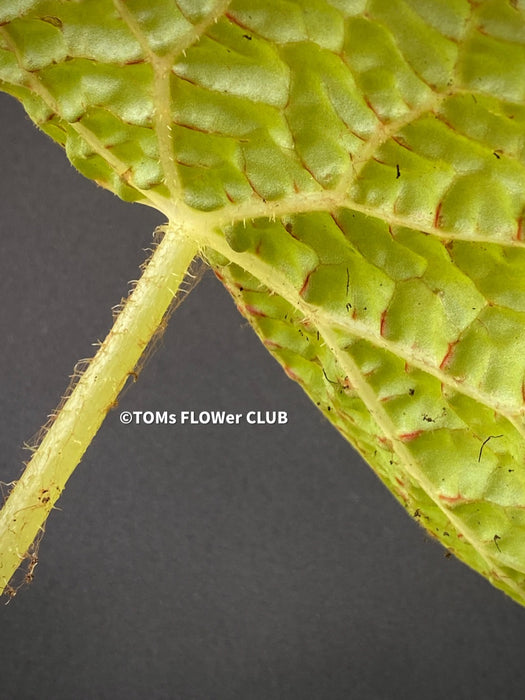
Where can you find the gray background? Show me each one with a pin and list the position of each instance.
(206, 563)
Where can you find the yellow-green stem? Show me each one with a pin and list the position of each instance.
(23, 516)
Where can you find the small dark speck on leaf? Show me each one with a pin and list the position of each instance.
(55, 21)
(247, 36)
(490, 437)
(398, 172)
(328, 380)
(411, 392)
(496, 538)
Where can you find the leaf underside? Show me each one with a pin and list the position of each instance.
(355, 173)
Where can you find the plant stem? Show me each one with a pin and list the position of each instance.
(32, 498)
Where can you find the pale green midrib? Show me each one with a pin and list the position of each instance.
(161, 103)
(163, 130)
(410, 465)
(276, 282)
(328, 200)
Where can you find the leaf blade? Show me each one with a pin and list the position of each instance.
(357, 172)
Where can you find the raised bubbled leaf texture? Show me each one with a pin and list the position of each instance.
(354, 171)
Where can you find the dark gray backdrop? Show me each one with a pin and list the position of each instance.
(206, 563)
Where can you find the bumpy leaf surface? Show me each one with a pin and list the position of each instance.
(356, 172)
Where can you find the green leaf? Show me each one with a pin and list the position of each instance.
(355, 173)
